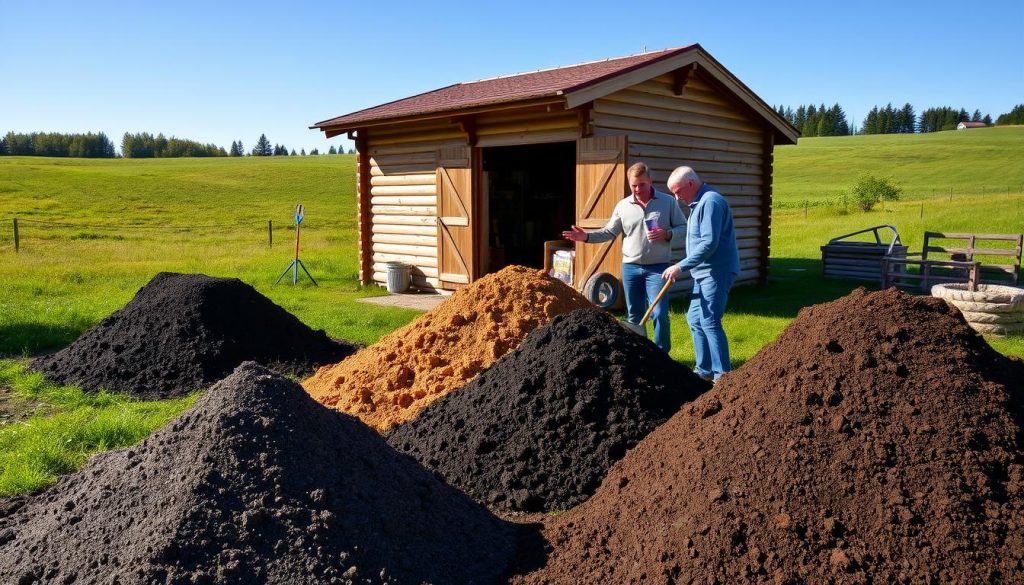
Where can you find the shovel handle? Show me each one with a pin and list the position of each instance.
(650, 309)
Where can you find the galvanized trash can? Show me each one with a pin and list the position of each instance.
(399, 277)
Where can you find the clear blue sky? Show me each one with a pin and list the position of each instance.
(217, 71)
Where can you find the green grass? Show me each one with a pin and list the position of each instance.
(35, 451)
(982, 161)
(122, 221)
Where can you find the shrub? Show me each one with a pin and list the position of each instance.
(870, 189)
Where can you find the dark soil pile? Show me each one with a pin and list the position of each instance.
(257, 483)
(183, 332)
(878, 440)
(540, 428)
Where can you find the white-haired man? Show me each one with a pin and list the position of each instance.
(712, 258)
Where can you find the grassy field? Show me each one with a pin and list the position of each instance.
(94, 231)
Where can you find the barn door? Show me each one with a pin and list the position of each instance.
(455, 226)
(600, 184)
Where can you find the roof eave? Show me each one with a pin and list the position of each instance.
(784, 131)
(337, 128)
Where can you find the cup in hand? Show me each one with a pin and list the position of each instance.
(652, 220)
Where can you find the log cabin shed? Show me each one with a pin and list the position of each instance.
(466, 179)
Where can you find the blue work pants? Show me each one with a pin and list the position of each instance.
(641, 283)
(707, 305)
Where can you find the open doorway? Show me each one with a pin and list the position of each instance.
(530, 194)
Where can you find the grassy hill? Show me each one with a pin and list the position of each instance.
(970, 162)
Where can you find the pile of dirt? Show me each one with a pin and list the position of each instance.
(390, 381)
(878, 440)
(540, 428)
(183, 332)
(257, 483)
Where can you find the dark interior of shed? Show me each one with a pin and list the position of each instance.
(531, 198)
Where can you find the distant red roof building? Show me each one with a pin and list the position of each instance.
(965, 125)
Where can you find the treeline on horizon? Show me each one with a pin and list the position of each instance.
(813, 120)
(810, 120)
(138, 145)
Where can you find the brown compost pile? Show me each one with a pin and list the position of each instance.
(183, 332)
(390, 381)
(256, 484)
(539, 429)
(877, 440)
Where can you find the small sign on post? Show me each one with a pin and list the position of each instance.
(296, 263)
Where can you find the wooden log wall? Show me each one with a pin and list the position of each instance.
(705, 130)
(403, 193)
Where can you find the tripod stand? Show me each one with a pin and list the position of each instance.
(296, 263)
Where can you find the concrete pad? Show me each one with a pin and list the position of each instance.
(420, 301)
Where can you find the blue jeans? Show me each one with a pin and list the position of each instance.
(642, 282)
(707, 305)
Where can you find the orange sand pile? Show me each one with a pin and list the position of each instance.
(390, 381)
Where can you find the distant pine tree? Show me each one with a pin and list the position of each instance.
(263, 147)
(332, 150)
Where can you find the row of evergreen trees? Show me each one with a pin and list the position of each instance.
(87, 145)
(814, 120)
(145, 145)
(1014, 116)
(263, 148)
(139, 145)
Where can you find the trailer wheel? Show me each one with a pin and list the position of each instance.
(603, 290)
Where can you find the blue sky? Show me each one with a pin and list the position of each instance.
(221, 71)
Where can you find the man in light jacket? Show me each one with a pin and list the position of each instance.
(648, 221)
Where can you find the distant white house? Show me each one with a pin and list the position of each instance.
(966, 125)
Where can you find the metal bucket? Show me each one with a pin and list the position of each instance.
(399, 277)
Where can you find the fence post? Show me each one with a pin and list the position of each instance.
(922, 212)
(270, 232)
(17, 239)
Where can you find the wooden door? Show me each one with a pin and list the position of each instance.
(600, 185)
(456, 241)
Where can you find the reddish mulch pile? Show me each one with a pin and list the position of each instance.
(256, 484)
(183, 332)
(878, 440)
(389, 382)
(539, 429)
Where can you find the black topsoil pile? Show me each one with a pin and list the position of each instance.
(183, 332)
(257, 483)
(539, 430)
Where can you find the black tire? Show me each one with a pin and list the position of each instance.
(603, 290)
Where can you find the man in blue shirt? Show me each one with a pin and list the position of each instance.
(713, 260)
(647, 219)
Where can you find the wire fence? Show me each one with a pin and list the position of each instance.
(845, 202)
(19, 231)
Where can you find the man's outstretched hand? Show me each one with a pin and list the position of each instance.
(576, 234)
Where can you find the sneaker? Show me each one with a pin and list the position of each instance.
(703, 377)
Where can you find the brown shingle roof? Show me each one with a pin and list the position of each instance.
(499, 90)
